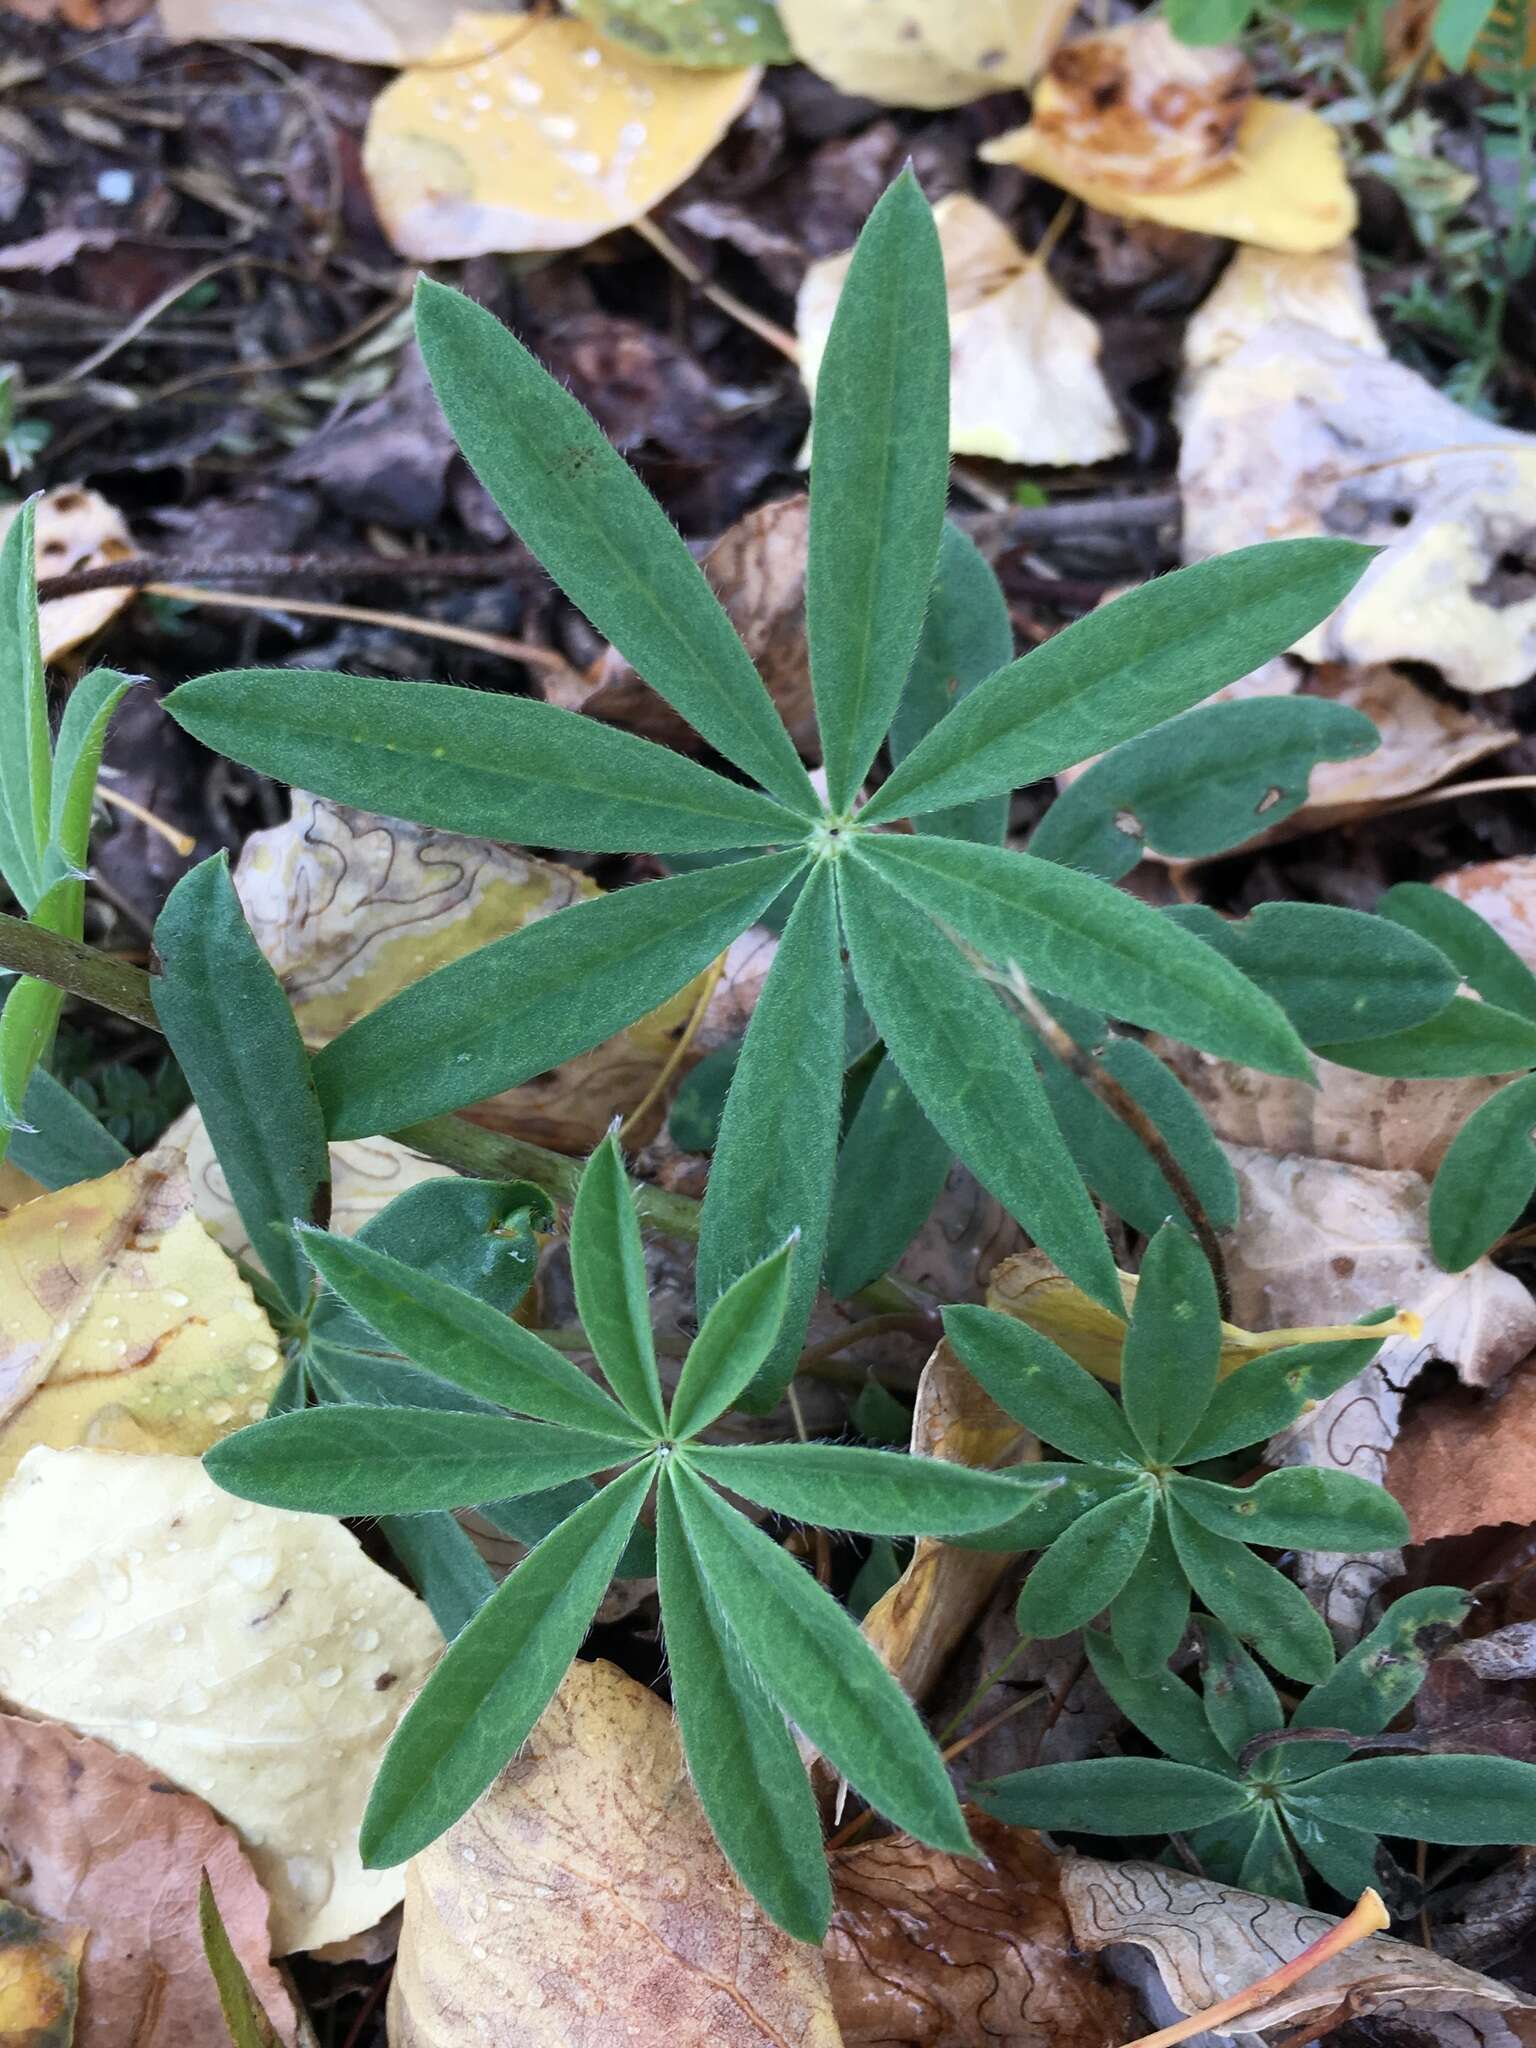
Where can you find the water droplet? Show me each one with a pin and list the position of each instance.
(177, 1632)
(366, 1639)
(309, 1877)
(254, 1568)
(174, 1298)
(86, 1625)
(218, 1413)
(261, 1356)
(330, 1676)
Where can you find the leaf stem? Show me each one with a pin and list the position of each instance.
(78, 970)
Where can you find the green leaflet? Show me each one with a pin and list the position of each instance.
(962, 1055)
(477, 1708)
(1127, 666)
(823, 1674)
(1054, 1495)
(1123, 1795)
(77, 757)
(1370, 1687)
(29, 1017)
(1268, 1393)
(1468, 941)
(1300, 1507)
(1172, 1348)
(448, 1572)
(1073, 935)
(601, 535)
(1486, 1178)
(1254, 1600)
(527, 1002)
(733, 1340)
(1208, 21)
(1455, 28)
(1160, 1704)
(230, 1026)
(1034, 1381)
(1239, 1700)
(1179, 1120)
(741, 1755)
(245, 2018)
(1269, 1867)
(495, 767)
(1342, 1857)
(701, 36)
(64, 1143)
(1110, 1156)
(844, 1486)
(351, 1460)
(1200, 784)
(478, 1235)
(1148, 1616)
(1086, 1567)
(967, 636)
(890, 1171)
(613, 1296)
(461, 1340)
(1453, 1799)
(879, 476)
(1339, 975)
(26, 761)
(1466, 1037)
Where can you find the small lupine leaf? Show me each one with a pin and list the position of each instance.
(1486, 1178)
(1148, 1616)
(1117, 1795)
(613, 1295)
(1160, 1704)
(1256, 1602)
(1469, 942)
(1084, 1569)
(1173, 1346)
(848, 1486)
(1039, 1385)
(1300, 1507)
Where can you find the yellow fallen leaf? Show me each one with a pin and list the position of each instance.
(584, 1899)
(925, 53)
(1024, 381)
(123, 1325)
(76, 529)
(1284, 187)
(1260, 286)
(362, 31)
(255, 1657)
(39, 1980)
(16, 1187)
(547, 137)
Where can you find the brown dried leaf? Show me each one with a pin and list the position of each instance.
(362, 31)
(1210, 1940)
(1503, 892)
(350, 908)
(936, 1951)
(76, 529)
(93, 1840)
(925, 53)
(583, 1901)
(1461, 1463)
(255, 1657)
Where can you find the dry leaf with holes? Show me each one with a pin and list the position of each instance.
(123, 1325)
(350, 908)
(1504, 893)
(1024, 378)
(363, 31)
(1209, 1941)
(1135, 123)
(583, 1901)
(75, 529)
(108, 1856)
(925, 53)
(255, 1657)
(926, 1947)
(1463, 1463)
(544, 136)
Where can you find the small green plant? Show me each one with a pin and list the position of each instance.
(1257, 1795)
(1130, 1527)
(750, 1635)
(21, 440)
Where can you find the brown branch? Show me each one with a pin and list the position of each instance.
(78, 970)
(134, 571)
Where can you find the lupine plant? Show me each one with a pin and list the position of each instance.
(1134, 1525)
(1257, 1794)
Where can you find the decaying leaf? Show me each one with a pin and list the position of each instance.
(124, 1326)
(349, 908)
(583, 1901)
(76, 529)
(363, 31)
(1262, 286)
(1024, 378)
(93, 1841)
(1210, 1940)
(925, 53)
(703, 34)
(942, 1951)
(1296, 432)
(1464, 1463)
(16, 1187)
(39, 1980)
(252, 1656)
(543, 136)
(1503, 892)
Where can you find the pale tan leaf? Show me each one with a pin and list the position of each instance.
(16, 1187)
(124, 1326)
(1260, 286)
(925, 53)
(96, 1841)
(541, 136)
(1504, 893)
(252, 1656)
(363, 31)
(75, 529)
(583, 1902)
(1463, 1464)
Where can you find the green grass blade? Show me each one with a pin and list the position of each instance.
(1035, 1381)
(1084, 1570)
(1300, 1507)
(245, 2017)
(815, 1663)
(1072, 935)
(777, 1149)
(26, 758)
(891, 1169)
(879, 476)
(1257, 1603)
(742, 1758)
(1172, 1349)
(1490, 964)
(966, 1061)
(525, 1003)
(1486, 1178)
(601, 535)
(495, 767)
(230, 1026)
(475, 1711)
(76, 760)
(734, 1340)
(64, 1143)
(1126, 667)
(1116, 1795)
(613, 1296)
(847, 1486)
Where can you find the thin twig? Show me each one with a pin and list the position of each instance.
(1091, 515)
(678, 1053)
(134, 572)
(78, 970)
(182, 842)
(736, 309)
(920, 1322)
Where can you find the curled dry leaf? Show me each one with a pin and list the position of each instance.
(363, 31)
(942, 1951)
(39, 1980)
(1503, 892)
(96, 1844)
(583, 1901)
(252, 1656)
(1296, 432)
(1209, 1941)
(1262, 286)
(543, 136)
(925, 53)
(76, 529)
(126, 1327)
(1463, 1464)
(350, 908)
(1024, 378)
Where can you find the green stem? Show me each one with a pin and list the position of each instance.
(492, 1155)
(78, 970)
